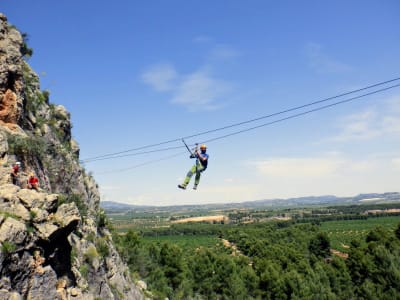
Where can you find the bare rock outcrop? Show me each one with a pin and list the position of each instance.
(10, 75)
(53, 244)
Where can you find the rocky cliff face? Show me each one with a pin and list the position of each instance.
(53, 242)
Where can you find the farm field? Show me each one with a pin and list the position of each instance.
(186, 242)
(341, 232)
(209, 219)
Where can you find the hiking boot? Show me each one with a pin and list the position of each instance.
(181, 186)
(195, 187)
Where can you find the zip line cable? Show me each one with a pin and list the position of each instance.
(302, 113)
(115, 154)
(137, 153)
(143, 164)
(255, 127)
(250, 128)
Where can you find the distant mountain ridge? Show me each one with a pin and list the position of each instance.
(111, 206)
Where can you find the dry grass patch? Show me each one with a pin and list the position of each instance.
(209, 219)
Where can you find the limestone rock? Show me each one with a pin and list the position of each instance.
(11, 77)
(13, 231)
(20, 270)
(6, 295)
(3, 147)
(8, 193)
(67, 214)
(75, 148)
(9, 112)
(46, 230)
(19, 210)
(5, 283)
(50, 202)
(50, 240)
(38, 215)
(31, 198)
(15, 296)
(142, 284)
(43, 286)
(9, 202)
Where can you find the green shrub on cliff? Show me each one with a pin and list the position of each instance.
(30, 146)
(7, 248)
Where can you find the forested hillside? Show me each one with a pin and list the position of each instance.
(280, 260)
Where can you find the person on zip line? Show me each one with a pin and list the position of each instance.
(199, 167)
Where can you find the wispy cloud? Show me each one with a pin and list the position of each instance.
(197, 91)
(393, 104)
(337, 175)
(391, 119)
(223, 52)
(323, 63)
(161, 77)
(298, 167)
(200, 91)
(202, 39)
(396, 162)
(371, 123)
(360, 126)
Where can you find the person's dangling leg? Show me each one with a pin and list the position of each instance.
(188, 177)
(199, 169)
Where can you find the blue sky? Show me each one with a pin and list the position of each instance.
(134, 73)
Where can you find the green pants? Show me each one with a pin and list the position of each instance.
(197, 168)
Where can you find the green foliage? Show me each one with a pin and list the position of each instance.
(84, 270)
(73, 254)
(8, 247)
(46, 96)
(374, 265)
(25, 50)
(91, 237)
(34, 99)
(117, 292)
(320, 245)
(30, 146)
(32, 215)
(274, 261)
(102, 247)
(7, 214)
(342, 232)
(29, 225)
(91, 254)
(102, 220)
(30, 228)
(185, 242)
(397, 231)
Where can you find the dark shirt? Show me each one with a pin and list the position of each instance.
(204, 163)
